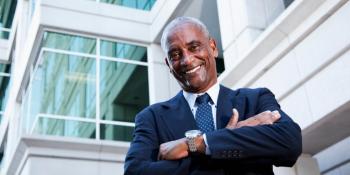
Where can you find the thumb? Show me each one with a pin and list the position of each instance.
(233, 120)
(235, 116)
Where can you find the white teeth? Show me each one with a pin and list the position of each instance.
(193, 70)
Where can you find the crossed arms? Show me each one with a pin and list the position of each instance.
(270, 137)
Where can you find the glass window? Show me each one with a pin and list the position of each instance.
(4, 83)
(61, 98)
(287, 3)
(123, 90)
(123, 50)
(63, 89)
(137, 4)
(4, 68)
(115, 132)
(7, 11)
(69, 42)
(60, 127)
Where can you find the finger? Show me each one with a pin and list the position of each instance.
(270, 118)
(276, 115)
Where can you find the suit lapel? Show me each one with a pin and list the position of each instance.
(228, 99)
(178, 118)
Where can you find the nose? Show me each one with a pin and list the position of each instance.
(186, 58)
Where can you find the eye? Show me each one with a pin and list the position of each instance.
(194, 47)
(175, 55)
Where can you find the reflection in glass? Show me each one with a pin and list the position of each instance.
(137, 4)
(114, 132)
(59, 127)
(64, 85)
(123, 50)
(5, 68)
(4, 34)
(4, 84)
(63, 88)
(123, 90)
(7, 12)
(69, 42)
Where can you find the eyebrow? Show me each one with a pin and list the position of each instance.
(193, 42)
(174, 48)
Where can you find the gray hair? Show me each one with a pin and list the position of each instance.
(178, 21)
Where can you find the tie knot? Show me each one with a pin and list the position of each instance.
(205, 98)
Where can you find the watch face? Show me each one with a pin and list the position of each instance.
(193, 133)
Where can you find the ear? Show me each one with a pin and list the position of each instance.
(212, 44)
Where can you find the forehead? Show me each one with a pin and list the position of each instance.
(185, 33)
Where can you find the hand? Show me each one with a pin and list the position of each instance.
(263, 118)
(173, 150)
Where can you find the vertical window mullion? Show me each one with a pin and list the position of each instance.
(98, 53)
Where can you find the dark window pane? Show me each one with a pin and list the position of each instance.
(115, 132)
(123, 90)
(4, 84)
(5, 68)
(287, 3)
(7, 12)
(220, 66)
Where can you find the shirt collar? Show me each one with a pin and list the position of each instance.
(213, 92)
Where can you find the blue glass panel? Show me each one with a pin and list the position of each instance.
(123, 90)
(115, 132)
(68, 128)
(123, 50)
(69, 42)
(136, 4)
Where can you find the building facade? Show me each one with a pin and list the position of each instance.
(73, 74)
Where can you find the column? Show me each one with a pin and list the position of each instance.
(162, 85)
(241, 22)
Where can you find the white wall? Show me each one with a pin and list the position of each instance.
(303, 57)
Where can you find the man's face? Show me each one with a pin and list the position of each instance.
(191, 57)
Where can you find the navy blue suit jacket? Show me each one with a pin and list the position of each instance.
(242, 151)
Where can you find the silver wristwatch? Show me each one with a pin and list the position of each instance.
(191, 135)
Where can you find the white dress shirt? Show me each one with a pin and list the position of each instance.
(213, 92)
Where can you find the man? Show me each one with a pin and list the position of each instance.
(227, 131)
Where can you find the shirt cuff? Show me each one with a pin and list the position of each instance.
(207, 151)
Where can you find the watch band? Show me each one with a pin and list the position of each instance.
(191, 144)
(191, 136)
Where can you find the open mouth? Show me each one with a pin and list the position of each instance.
(193, 70)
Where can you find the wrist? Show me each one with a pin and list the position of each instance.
(200, 145)
(195, 141)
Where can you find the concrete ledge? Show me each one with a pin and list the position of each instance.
(65, 149)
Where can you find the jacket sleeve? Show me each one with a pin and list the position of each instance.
(279, 144)
(143, 152)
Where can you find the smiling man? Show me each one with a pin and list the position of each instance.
(208, 128)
